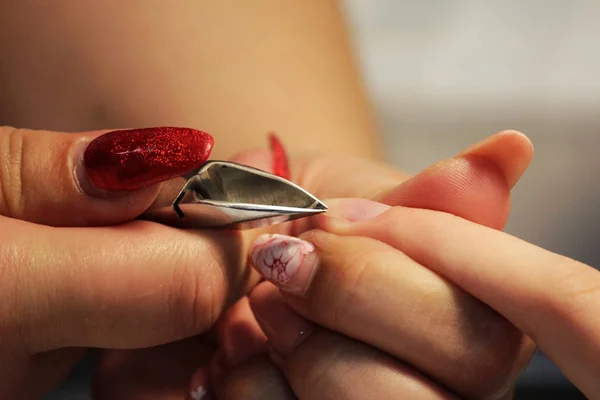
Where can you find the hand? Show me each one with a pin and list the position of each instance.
(475, 184)
(358, 318)
(66, 287)
(553, 299)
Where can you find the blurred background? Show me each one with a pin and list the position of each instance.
(446, 73)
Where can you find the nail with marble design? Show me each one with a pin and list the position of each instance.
(286, 261)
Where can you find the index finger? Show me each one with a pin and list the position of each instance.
(553, 299)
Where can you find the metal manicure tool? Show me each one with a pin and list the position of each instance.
(223, 194)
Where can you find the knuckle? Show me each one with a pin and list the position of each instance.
(308, 366)
(192, 305)
(492, 361)
(12, 151)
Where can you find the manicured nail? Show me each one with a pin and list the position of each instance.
(284, 328)
(280, 161)
(355, 210)
(200, 386)
(132, 159)
(286, 261)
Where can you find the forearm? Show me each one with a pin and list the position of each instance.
(236, 69)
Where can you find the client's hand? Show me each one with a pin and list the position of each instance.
(355, 317)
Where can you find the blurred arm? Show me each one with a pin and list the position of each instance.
(234, 68)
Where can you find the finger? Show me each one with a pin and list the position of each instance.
(135, 285)
(92, 178)
(239, 335)
(553, 299)
(255, 379)
(509, 151)
(475, 184)
(155, 373)
(368, 290)
(324, 365)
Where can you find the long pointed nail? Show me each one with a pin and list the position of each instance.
(132, 159)
(287, 262)
(280, 161)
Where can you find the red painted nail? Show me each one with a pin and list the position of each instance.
(132, 159)
(280, 158)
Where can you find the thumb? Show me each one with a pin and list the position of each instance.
(474, 185)
(92, 178)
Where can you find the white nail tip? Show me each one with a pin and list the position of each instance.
(199, 393)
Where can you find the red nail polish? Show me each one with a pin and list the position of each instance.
(132, 159)
(279, 157)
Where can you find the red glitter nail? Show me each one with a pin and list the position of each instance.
(132, 159)
(280, 159)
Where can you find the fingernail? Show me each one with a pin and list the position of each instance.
(287, 262)
(200, 386)
(284, 328)
(132, 159)
(279, 157)
(355, 210)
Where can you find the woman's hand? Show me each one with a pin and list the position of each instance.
(136, 284)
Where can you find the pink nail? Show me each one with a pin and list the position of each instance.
(286, 261)
(355, 210)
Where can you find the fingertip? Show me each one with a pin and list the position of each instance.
(511, 150)
(472, 187)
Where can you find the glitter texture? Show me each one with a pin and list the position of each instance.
(132, 159)
(280, 159)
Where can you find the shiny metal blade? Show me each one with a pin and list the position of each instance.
(223, 194)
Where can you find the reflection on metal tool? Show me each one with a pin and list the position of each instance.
(223, 194)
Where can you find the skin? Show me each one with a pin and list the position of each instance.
(64, 292)
(340, 317)
(98, 65)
